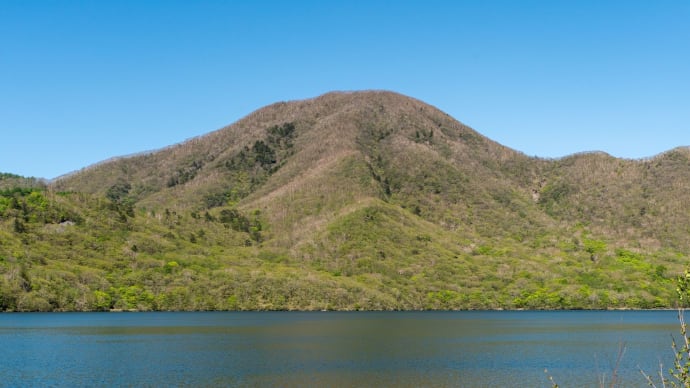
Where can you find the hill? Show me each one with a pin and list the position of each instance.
(363, 200)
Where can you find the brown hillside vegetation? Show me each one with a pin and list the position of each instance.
(368, 200)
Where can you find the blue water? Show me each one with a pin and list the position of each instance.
(467, 349)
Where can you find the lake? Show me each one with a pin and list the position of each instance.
(467, 349)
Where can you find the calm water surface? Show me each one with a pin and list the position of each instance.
(467, 349)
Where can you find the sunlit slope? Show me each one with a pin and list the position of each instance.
(362, 200)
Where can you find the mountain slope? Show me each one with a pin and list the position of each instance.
(370, 144)
(356, 200)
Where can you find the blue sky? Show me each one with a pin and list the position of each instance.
(82, 81)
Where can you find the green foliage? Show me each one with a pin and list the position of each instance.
(378, 256)
(7, 176)
(251, 167)
(118, 192)
(132, 298)
(683, 288)
(12, 182)
(240, 223)
(264, 155)
(185, 174)
(102, 301)
(444, 299)
(281, 135)
(120, 199)
(594, 247)
(28, 206)
(170, 266)
(212, 200)
(543, 299)
(382, 202)
(553, 196)
(18, 226)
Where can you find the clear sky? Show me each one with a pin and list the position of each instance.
(83, 81)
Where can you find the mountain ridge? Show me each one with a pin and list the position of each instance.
(349, 200)
(259, 112)
(332, 93)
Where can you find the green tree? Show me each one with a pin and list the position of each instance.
(19, 226)
(594, 248)
(118, 192)
(102, 301)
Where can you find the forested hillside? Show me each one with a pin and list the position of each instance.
(364, 200)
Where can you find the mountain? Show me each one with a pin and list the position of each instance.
(362, 200)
